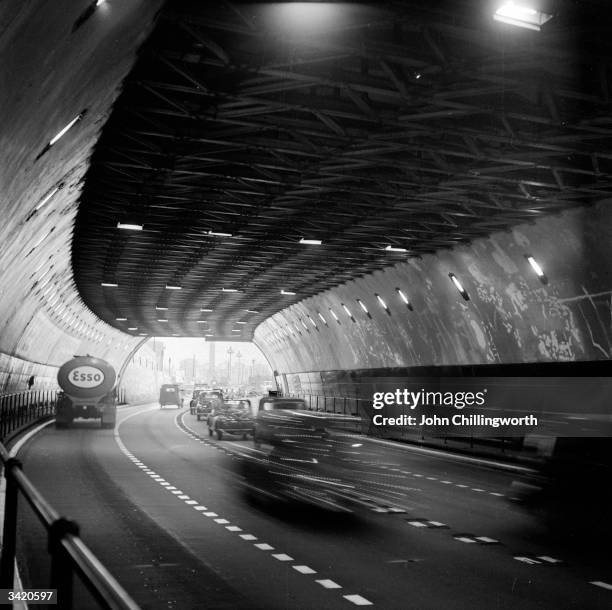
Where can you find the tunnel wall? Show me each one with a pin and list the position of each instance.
(55, 64)
(510, 317)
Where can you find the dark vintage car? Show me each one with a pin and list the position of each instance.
(170, 395)
(232, 417)
(206, 402)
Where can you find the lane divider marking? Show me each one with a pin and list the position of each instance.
(357, 600)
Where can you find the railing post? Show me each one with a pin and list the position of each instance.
(61, 567)
(9, 531)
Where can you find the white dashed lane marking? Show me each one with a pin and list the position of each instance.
(329, 584)
(357, 600)
(304, 570)
(600, 583)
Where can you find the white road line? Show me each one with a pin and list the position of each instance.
(233, 528)
(465, 539)
(304, 569)
(549, 559)
(210, 514)
(436, 524)
(358, 600)
(191, 502)
(200, 507)
(183, 497)
(527, 560)
(417, 523)
(248, 537)
(495, 493)
(329, 584)
(282, 557)
(222, 521)
(477, 489)
(486, 539)
(264, 546)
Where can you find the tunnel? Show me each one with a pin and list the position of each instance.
(404, 207)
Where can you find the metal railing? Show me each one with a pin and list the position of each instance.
(69, 554)
(20, 409)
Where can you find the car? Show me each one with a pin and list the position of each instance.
(285, 420)
(232, 417)
(207, 401)
(170, 394)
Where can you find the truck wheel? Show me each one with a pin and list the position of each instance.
(219, 434)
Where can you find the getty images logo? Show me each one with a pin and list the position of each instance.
(412, 400)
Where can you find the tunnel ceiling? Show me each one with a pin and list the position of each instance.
(406, 124)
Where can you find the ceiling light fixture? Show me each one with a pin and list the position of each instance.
(395, 249)
(404, 298)
(109, 284)
(63, 132)
(162, 319)
(251, 311)
(334, 316)
(521, 16)
(459, 286)
(362, 305)
(121, 319)
(128, 226)
(382, 303)
(229, 289)
(219, 234)
(205, 309)
(161, 308)
(173, 287)
(536, 267)
(287, 292)
(311, 242)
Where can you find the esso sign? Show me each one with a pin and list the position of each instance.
(86, 377)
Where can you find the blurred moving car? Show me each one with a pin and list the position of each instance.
(233, 417)
(170, 395)
(207, 401)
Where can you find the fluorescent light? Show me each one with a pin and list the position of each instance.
(251, 311)
(161, 308)
(362, 305)
(209, 335)
(129, 227)
(521, 16)
(287, 292)
(322, 318)
(395, 249)
(404, 298)
(331, 311)
(459, 286)
(236, 330)
(133, 328)
(382, 302)
(162, 319)
(348, 311)
(99, 2)
(47, 198)
(205, 309)
(229, 289)
(219, 234)
(240, 322)
(59, 135)
(172, 287)
(121, 319)
(109, 284)
(202, 321)
(535, 266)
(311, 242)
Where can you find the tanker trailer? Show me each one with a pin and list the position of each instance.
(88, 386)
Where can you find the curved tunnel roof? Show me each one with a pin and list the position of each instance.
(386, 131)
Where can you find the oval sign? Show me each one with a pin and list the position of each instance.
(86, 377)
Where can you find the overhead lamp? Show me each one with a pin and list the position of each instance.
(382, 303)
(313, 322)
(205, 309)
(459, 286)
(175, 335)
(99, 2)
(236, 330)
(229, 290)
(311, 242)
(133, 328)
(348, 311)
(46, 199)
(209, 335)
(63, 132)
(521, 16)
(536, 267)
(173, 287)
(334, 316)
(121, 319)
(219, 234)
(322, 318)
(287, 292)
(128, 226)
(395, 249)
(202, 321)
(109, 284)
(240, 322)
(162, 319)
(362, 305)
(161, 308)
(251, 311)
(404, 298)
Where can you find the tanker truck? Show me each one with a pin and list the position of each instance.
(88, 386)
